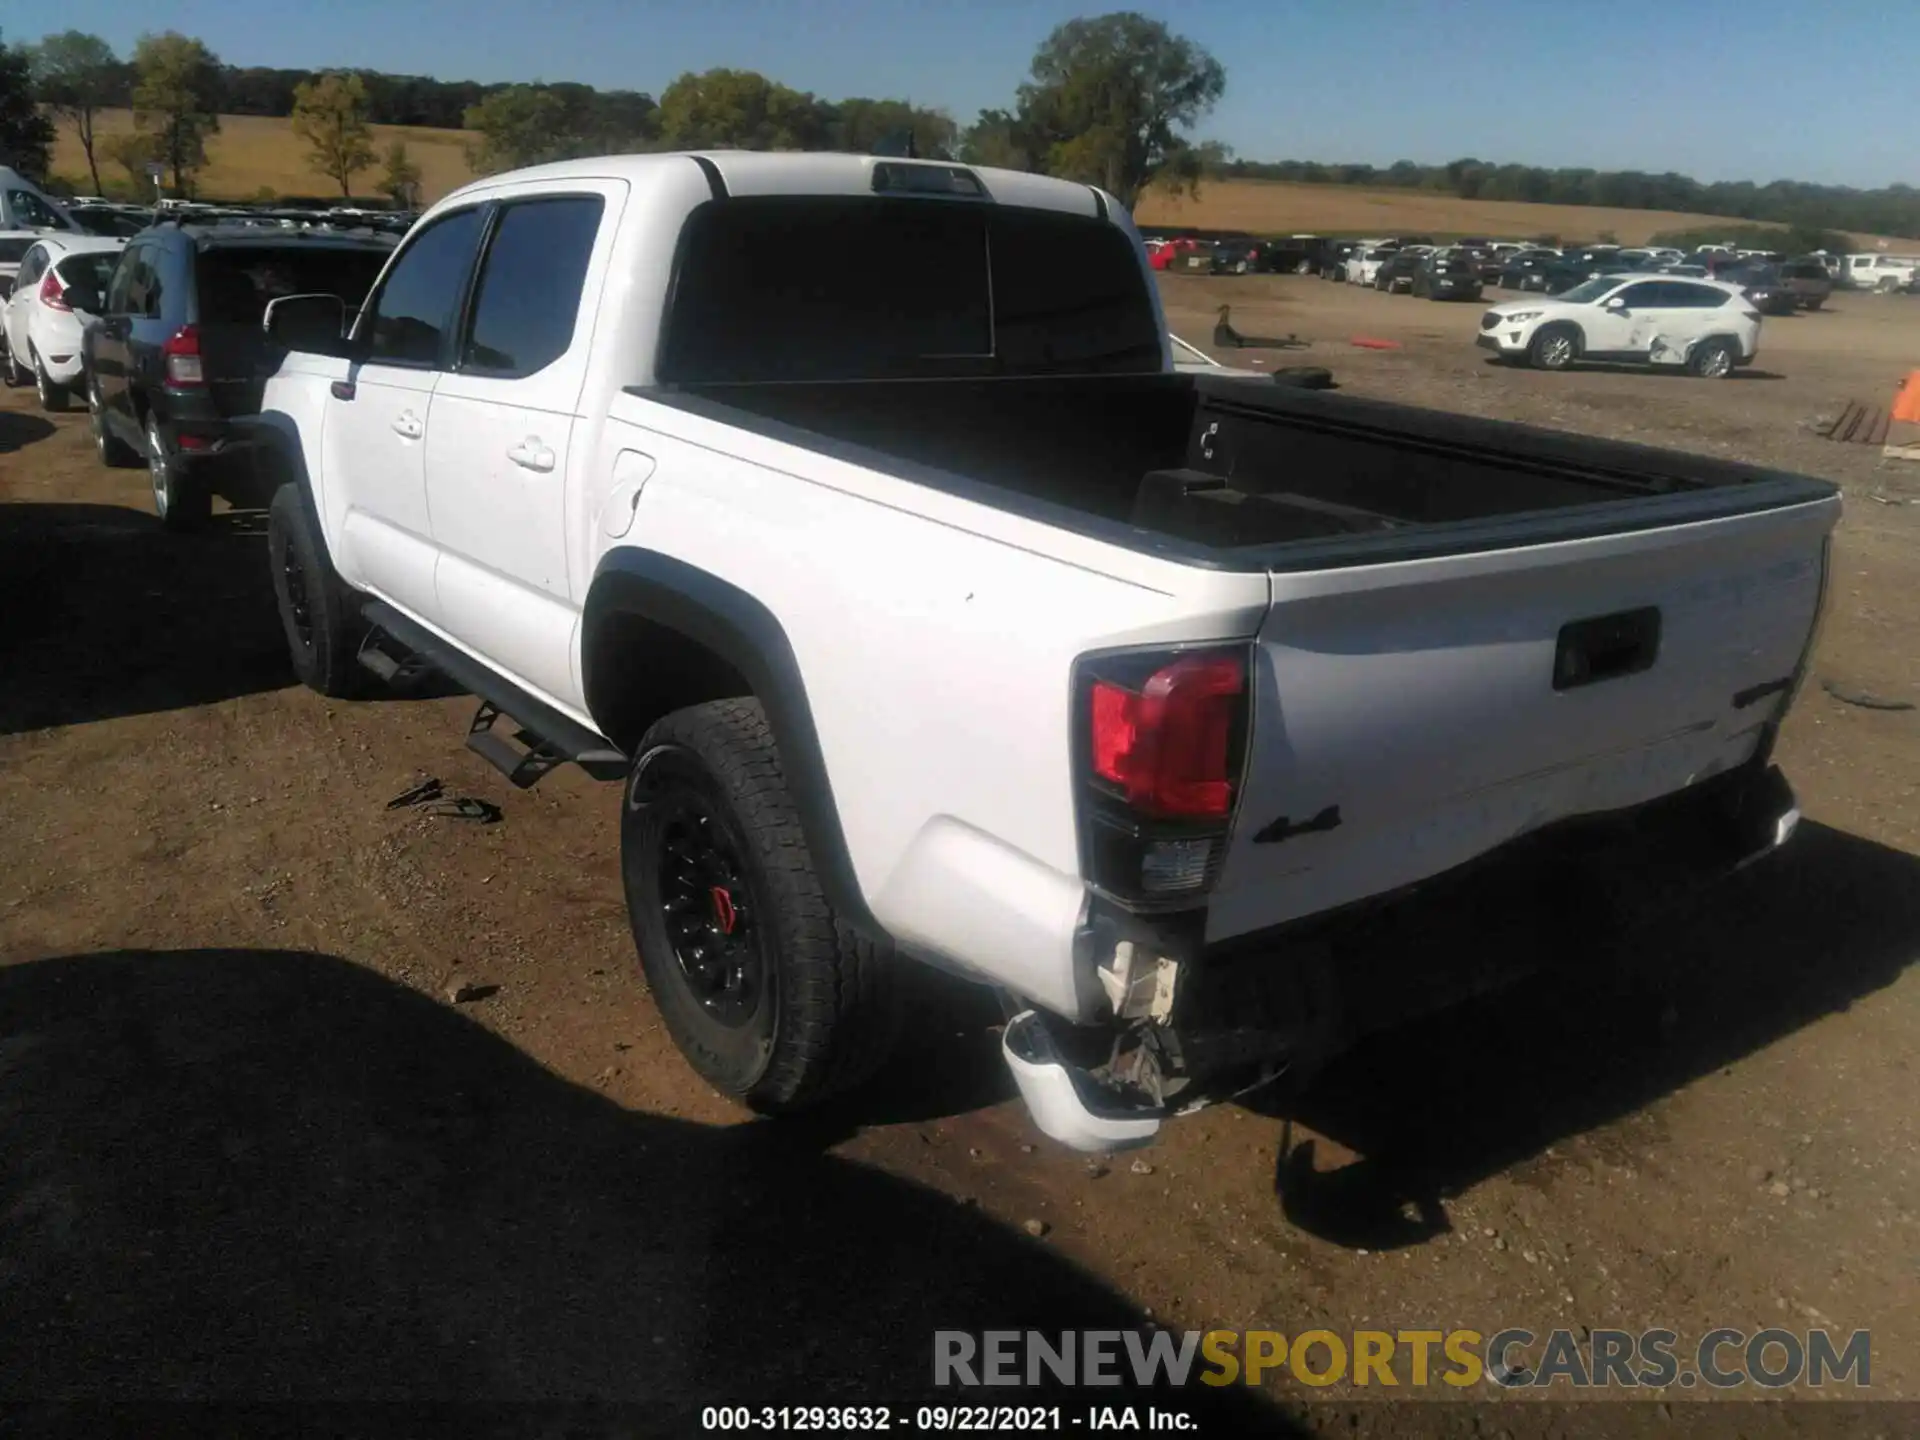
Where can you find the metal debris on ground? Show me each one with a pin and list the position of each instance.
(1857, 423)
(430, 797)
(1846, 694)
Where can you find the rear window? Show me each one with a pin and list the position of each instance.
(779, 288)
(1807, 271)
(236, 283)
(94, 269)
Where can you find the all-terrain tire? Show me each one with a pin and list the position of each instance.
(820, 1013)
(317, 612)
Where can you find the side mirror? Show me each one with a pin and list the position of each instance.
(316, 323)
(1616, 302)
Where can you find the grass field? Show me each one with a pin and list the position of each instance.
(255, 151)
(1279, 208)
(252, 152)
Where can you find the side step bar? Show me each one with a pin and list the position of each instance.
(546, 737)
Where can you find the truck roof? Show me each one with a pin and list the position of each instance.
(758, 172)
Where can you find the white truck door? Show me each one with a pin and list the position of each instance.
(502, 438)
(374, 439)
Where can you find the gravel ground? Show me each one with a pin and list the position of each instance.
(250, 1149)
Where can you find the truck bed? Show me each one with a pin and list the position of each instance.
(1238, 473)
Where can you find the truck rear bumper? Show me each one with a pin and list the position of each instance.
(1293, 998)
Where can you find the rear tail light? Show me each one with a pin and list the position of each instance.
(182, 352)
(1162, 743)
(53, 292)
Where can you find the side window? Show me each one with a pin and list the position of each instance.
(162, 275)
(121, 285)
(1649, 295)
(30, 268)
(407, 319)
(1702, 297)
(31, 211)
(530, 284)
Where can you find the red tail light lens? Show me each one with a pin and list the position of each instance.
(53, 292)
(1168, 747)
(182, 352)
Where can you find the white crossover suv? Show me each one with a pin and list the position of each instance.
(1636, 319)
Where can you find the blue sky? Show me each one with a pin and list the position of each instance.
(1717, 89)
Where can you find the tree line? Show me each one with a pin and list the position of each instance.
(1894, 210)
(1110, 100)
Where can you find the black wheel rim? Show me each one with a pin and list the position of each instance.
(708, 914)
(299, 606)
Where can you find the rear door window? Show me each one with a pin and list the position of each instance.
(531, 278)
(237, 283)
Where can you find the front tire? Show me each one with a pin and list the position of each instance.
(14, 376)
(769, 997)
(317, 614)
(181, 503)
(1554, 347)
(114, 452)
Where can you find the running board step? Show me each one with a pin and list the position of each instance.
(399, 670)
(546, 738)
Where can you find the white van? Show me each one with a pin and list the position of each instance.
(25, 206)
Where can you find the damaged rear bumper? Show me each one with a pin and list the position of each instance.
(1187, 1024)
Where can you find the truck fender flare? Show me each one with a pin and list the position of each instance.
(725, 620)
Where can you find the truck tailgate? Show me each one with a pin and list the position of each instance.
(1410, 716)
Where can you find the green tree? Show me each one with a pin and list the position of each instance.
(740, 110)
(132, 150)
(330, 114)
(175, 100)
(400, 177)
(1108, 97)
(77, 75)
(518, 125)
(26, 136)
(862, 126)
(1001, 139)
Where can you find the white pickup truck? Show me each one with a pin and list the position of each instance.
(853, 514)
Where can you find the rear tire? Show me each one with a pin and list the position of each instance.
(181, 502)
(11, 372)
(1553, 347)
(317, 612)
(1713, 359)
(1815, 304)
(52, 396)
(769, 996)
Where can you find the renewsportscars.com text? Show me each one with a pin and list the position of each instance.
(1720, 1359)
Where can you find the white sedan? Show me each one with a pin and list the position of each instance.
(41, 324)
(1709, 327)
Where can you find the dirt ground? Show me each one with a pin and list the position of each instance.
(249, 1149)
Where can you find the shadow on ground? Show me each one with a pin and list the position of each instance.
(108, 614)
(17, 431)
(1438, 1105)
(255, 1175)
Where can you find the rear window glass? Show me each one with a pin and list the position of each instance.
(237, 283)
(778, 288)
(94, 269)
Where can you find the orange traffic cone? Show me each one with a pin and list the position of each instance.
(1903, 421)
